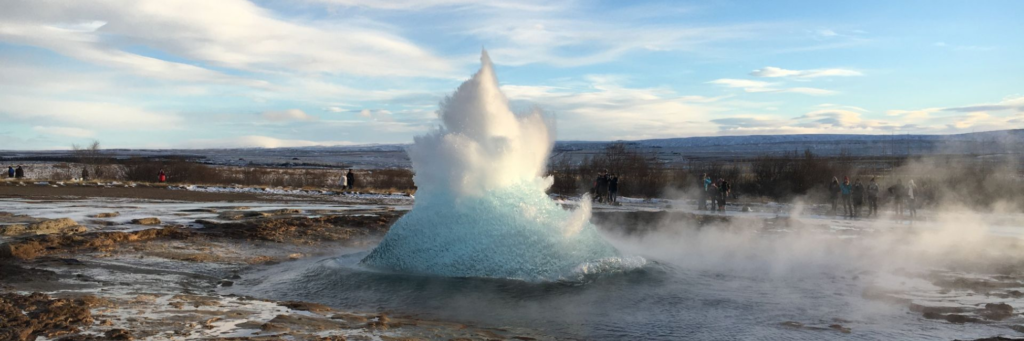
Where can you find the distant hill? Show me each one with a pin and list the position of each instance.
(672, 150)
(991, 142)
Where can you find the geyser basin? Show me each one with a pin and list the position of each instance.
(481, 208)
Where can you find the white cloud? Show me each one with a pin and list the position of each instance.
(64, 131)
(377, 115)
(746, 85)
(830, 121)
(759, 86)
(287, 115)
(605, 110)
(1010, 103)
(826, 33)
(255, 141)
(233, 34)
(809, 91)
(844, 107)
(774, 72)
(412, 5)
(99, 115)
(913, 115)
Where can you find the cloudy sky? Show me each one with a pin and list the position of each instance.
(233, 73)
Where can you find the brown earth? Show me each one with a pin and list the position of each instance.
(304, 230)
(32, 247)
(29, 316)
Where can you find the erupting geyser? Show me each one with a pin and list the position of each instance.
(481, 209)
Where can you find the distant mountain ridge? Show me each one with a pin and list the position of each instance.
(1015, 135)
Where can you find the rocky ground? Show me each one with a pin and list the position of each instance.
(151, 263)
(112, 277)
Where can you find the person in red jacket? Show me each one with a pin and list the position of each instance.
(163, 176)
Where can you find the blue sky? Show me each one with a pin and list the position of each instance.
(237, 73)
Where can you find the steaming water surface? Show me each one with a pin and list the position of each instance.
(485, 245)
(657, 302)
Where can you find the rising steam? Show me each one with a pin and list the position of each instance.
(481, 206)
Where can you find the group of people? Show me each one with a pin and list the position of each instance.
(606, 188)
(15, 172)
(348, 180)
(716, 192)
(853, 196)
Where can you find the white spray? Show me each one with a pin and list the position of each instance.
(481, 209)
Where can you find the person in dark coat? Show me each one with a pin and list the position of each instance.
(85, 173)
(351, 179)
(724, 188)
(833, 191)
(613, 188)
(858, 198)
(10, 171)
(897, 192)
(19, 172)
(602, 186)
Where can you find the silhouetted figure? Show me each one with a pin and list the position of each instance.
(85, 173)
(19, 172)
(601, 186)
(723, 188)
(897, 192)
(833, 194)
(351, 180)
(613, 188)
(858, 197)
(873, 198)
(911, 199)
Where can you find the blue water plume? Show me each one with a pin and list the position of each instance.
(481, 206)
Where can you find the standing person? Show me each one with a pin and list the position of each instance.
(724, 188)
(709, 191)
(873, 198)
(897, 192)
(713, 195)
(833, 192)
(602, 186)
(847, 191)
(85, 173)
(858, 197)
(613, 188)
(19, 172)
(343, 183)
(702, 202)
(351, 178)
(10, 171)
(162, 176)
(911, 199)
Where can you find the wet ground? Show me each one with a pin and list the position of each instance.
(276, 265)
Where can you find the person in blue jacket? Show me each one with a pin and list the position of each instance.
(10, 171)
(847, 190)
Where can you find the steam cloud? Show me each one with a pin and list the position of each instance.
(481, 208)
